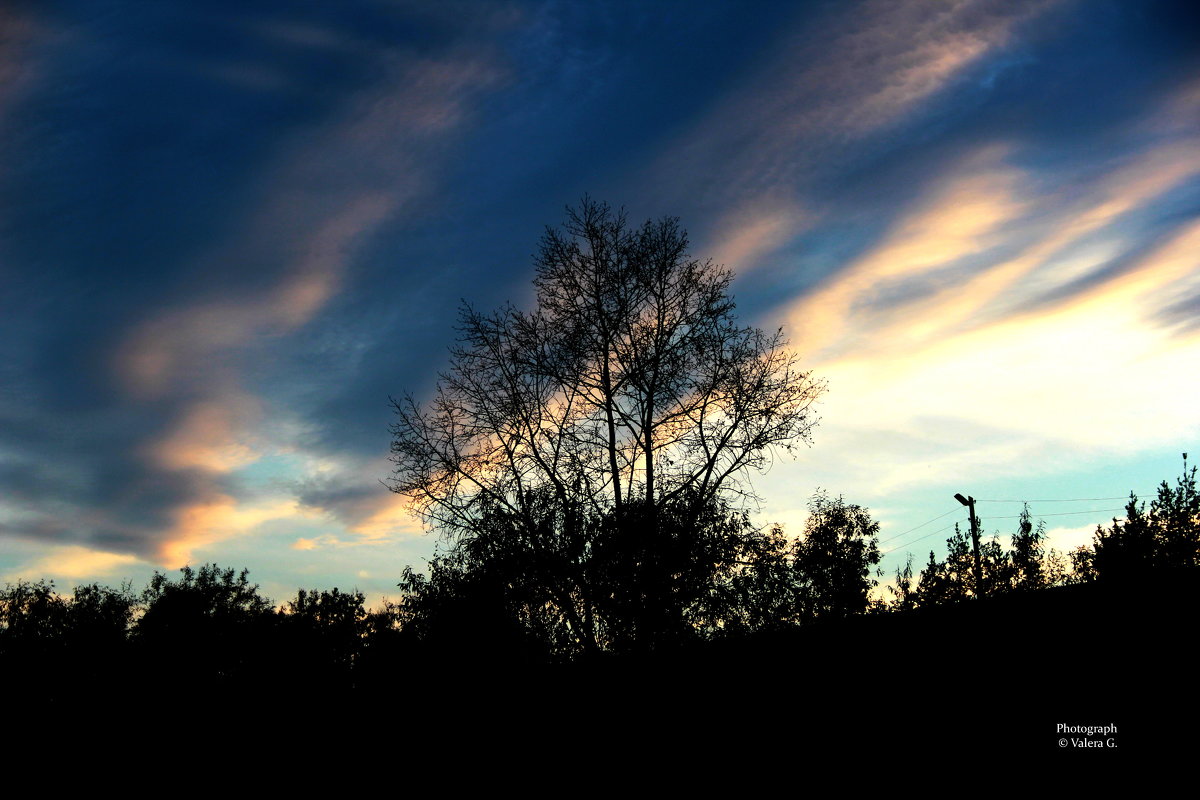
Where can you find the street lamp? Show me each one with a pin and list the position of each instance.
(969, 502)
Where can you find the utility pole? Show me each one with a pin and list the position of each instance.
(969, 502)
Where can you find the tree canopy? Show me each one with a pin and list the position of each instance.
(1167, 534)
(628, 406)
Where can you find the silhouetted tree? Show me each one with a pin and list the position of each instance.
(1032, 565)
(477, 602)
(904, 590)
(1083, 564)
(834, 559)
(30, 611)
(93, 615)
(324, 634)
(210, 627)
(951, 580)
(1128, 546)
(1175, 517)
(1028, 553)
(1028, 565)
(657, 575)
(1165, 535)
(760, 593)
(64, 648)
(629, 587)
(999, 571)
(100, 613)
(629, 398)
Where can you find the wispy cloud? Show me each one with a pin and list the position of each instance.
(819, 95)
(196, 353)
(202, 522)
(754, 230)
(188, 362)
(17, 33)
(1039, 300)
(964, 215)
(347, 490)
(188, 348)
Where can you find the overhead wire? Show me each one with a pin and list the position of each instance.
(922, 525)
(914, 541)
(1060, 513)
(1012, 516)
(1066, 500)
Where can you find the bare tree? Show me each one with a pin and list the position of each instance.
(631, 382)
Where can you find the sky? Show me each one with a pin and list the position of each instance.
(230, 232)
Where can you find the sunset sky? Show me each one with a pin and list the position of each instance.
(230, 231)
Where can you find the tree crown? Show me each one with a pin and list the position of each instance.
(631, 379)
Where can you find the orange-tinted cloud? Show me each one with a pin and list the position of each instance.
(367, 512)
(753, 231)
(73, 562)
(979, 205)
(212, 435)
(330, 191)
(963, 216)
(212, 520)
(179, 345)
(1040, 337)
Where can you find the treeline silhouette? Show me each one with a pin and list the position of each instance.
(803, 601)
(208, 634)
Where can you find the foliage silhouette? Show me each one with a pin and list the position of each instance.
(627, 408)
(657, 573)
(93, 616)
(322, 635)
(1167, 535)
(621, 584)
(211, 627)
(641, 589)
(904, 590)
(45, 638)
(834, 559)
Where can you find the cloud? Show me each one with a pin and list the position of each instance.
(965, 215)
(1179, 113)
(753, 231)
(1041, 309)
(202, 523)
(18, 31)
(835, 83)
(348, 491)
(72, 562)
(164, 465)
(1032, 246)
(197, 355)
(186, 348)
(870, 66)
(319, 206)
(212, 436)
(1067, 539)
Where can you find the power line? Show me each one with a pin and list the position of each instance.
(1060, 513)
(922, 525)
(1068, 500)
(919, 538)
(948, 527)
(1014, 516)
